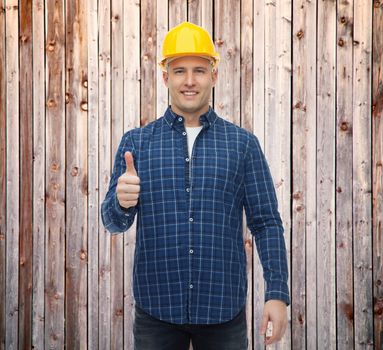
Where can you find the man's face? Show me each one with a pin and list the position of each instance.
(190, 81)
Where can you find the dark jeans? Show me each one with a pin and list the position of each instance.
(153, 334)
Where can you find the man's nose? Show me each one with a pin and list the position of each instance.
(189, 78)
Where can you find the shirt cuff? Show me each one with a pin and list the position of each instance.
(278, 291)
(121, 211)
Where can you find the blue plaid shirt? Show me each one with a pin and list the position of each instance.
(190, 262)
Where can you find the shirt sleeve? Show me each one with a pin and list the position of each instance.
(114, 217)
(265, 223)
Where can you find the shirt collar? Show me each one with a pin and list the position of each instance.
(174, 120)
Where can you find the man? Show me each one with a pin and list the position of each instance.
(188, 176)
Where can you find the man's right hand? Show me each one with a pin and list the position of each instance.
(128, 186)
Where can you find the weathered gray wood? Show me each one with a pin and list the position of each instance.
(363, 318)
(377, 173)
(76, 175)
(148, 61)
(12, 175)
(304, 311)
(177, 12)
(227, 39)
(3, 171)
(344, 270)
(26, 132)
(105, 167)
(93, 176)
(131, 120)
(38, 321)
(117, 116)
(55, 176)
(325, 182)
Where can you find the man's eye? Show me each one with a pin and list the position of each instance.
(178, 72)
(200, 71)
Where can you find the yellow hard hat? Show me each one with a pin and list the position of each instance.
(188, 39)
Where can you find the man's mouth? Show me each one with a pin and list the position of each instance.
(189, 93)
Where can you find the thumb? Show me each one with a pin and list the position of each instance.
(265, 320)
(130, 169)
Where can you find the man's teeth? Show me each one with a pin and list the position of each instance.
(189, 93)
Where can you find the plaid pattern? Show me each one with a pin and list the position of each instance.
(190, 262)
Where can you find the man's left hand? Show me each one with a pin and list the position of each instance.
(274, 311)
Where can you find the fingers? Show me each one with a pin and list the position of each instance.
(128, 185)
(276, 333)
(130, 169)
(264, 322)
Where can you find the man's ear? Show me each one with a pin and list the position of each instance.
(214, 75)
(165, 77)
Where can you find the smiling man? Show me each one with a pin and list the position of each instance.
(188, 176)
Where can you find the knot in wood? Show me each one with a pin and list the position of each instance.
(339, 189)
(377, 3)
(83, 254)
(55, 166)
(344, 126)
(85, 83)
(300, 34)
(51, 103)
(24, 38)
(51, 46)
(84, 106)
(299, 207)
(343, 20)
(341, 42)
(297, 195)
(74, 171)
(219, 42)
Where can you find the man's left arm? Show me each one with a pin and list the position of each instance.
(265, 224)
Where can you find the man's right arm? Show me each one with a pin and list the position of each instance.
(115, 217)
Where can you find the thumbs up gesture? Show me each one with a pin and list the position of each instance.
(128, 185)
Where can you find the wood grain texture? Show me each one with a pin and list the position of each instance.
(55, 176)
(26, 132)
(363, 318)
(105, 167)
(93, 176)
(3, 170)
(148, 36)
(12, 175)
(377, 173)
(325, 175)
(76, 174)
(117, 120)
(38, 289)
(343, 195)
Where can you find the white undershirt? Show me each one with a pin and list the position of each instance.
(192, 133)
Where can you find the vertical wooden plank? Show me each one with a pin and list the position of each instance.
(227, 34)
(162, 95)
(277, 113)
(177, 12)
(246, 118)
(3, 171)
(38, 320)
(55, 175)
(148, 61)
(131, 119)
(362, 175)
(258, 127)
(344, 271)
(117, 114)
(377, 173)
(25, 295)
(104, 107)
(93, 176)
(303, 303)
(12, 175)
(326, 175)
(76, 175)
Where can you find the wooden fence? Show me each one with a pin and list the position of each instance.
(306, 76)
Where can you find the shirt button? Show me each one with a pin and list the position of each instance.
(188, 189)
(191, 219)
(184, 133)
(180, 119)
(191, 251)
(190, 286)
(187, 159)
